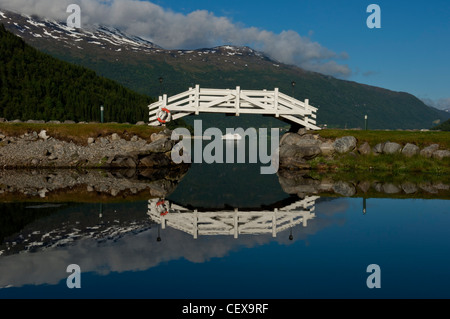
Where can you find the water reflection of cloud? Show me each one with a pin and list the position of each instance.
(141, 251)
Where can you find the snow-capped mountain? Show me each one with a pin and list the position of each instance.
(36, 31)
(33, 28)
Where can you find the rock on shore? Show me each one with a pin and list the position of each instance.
(38, 150)
(296, 149)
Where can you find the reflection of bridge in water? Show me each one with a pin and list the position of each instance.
(233, 222)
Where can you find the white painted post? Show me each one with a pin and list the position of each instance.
(163, 222)
(265, 97)
(238, 97)
(236, 223)
(275, 102)
(306, 108)
(190, 98)
(197, 99)
(274, 223)
(195, 224)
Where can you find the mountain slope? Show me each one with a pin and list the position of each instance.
(138, 64)
(34, 85)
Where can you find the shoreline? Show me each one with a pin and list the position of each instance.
(113, 145)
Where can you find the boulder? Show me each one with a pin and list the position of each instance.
(364, 186)
(410, 150)
(300, 140)
(295, 151)
(364, 149)
(344, 144)
(155, 160)
(43, 134)
(161, 188)
(295, 184)
(157, 136)
(140, 123)
(115, 137)
(302, 131)
(429, 150)
(441, 154)
(390, 188)
(326, 148)
(159, 146)
(378, 149)
(122, 161)
(409, 188)
(391, 148)
(344, 189)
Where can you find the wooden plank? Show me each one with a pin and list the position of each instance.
(180, 96)
(300, 121)
(180, 115)
(237, 100)
(216, 102)
(255, 102)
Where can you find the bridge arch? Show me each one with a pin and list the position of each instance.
(234, 101)
(233, 222)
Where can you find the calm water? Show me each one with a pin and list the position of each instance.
(287, 246)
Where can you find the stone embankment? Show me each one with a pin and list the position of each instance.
(296, 149)
(38, 150)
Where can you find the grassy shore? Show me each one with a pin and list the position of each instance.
(396, 163)
(79, 133)
(373, 137)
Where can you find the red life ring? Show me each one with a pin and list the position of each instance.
(165, 113)
(164, 211)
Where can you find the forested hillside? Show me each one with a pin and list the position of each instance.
(445, 126)
(34, 85)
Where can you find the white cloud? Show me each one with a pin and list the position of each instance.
(441, 104)
(198, 29)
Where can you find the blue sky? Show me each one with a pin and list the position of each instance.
(409, 53)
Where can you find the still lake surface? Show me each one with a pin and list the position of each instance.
(312, 246)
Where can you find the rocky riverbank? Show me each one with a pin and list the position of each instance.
(71, 183)
(302, 184)
(299, 150)
(39, 150)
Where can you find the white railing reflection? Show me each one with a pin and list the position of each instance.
(234, 222)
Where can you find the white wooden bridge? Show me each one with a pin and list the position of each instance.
(232, 101)
(231, 222)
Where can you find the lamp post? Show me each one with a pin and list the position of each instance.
(293, 86)
(101, 113)
(365, 122)
(158, 239)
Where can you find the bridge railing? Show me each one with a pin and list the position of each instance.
(235, 101)
(233, 222)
